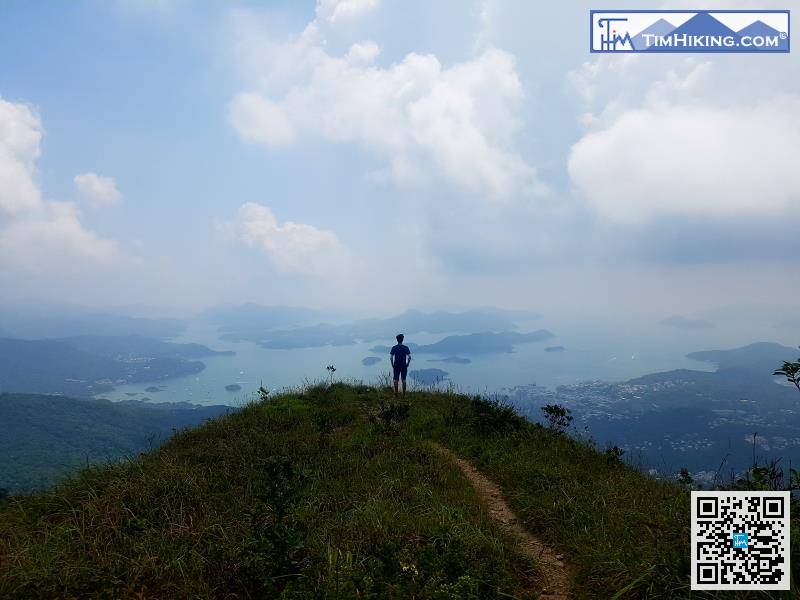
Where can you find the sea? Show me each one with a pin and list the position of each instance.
(611, 351)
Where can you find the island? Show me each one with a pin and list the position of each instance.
(233, 387)
(428, 376)
(483, 343)
(457, 360)
(281, 328)
(152, 389)
(555, 349)
(83, 366)
(368, 361)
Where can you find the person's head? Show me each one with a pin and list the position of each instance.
(400, 338)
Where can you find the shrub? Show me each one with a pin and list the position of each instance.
(685, 478)
(493, 416)
(558, 417)
(614, 454)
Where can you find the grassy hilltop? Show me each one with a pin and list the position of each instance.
(336, 492)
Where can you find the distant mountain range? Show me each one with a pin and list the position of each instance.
(409, 322)
(87, 365)
(758, 358)
(473, 343)
(484, 343)
(702, 420)
(251, 316)
(62, 322)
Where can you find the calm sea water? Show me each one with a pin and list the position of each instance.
(593, 352)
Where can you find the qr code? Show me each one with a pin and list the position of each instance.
(740, 540)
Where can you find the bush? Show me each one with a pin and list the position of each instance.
(494, 416)
(558, 417)
(614, 454)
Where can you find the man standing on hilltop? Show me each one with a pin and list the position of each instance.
(400, 357)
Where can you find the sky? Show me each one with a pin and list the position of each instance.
(377, 155)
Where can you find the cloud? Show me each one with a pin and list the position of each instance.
(38, 236)
(694, 161)
(97, 189)
(54, 242)
(362, 54)
(679, 137)
(337, 12)
(20, 134)
(294, 248)
(258, 119)
(427, 122)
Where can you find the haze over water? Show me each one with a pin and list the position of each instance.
(593, 351)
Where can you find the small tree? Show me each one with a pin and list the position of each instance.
(558, 417)
(331, 370)
(790, 370)
(614, 454)
(685, 478)
(263, 393)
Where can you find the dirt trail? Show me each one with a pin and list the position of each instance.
(557, 580)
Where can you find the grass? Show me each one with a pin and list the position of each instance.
(332, 492)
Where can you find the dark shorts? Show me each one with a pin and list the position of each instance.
(400, 371)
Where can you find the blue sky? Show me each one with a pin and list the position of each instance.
(378, 155)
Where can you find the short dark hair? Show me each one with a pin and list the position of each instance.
(400, 338)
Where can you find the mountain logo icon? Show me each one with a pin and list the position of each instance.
(704, 31)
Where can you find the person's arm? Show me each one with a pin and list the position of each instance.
(408, 359)
(391, 357)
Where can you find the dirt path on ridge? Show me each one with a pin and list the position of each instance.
(557, 583)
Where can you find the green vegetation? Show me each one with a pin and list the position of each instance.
(790, 370)
(44, 438)
(334, 491)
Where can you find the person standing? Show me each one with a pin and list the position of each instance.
(400, 357)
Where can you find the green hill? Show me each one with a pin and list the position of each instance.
(45, 437)
(336, 492)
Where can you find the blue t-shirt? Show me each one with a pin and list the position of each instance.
(400, 351)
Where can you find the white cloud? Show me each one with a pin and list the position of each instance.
(692, 160)
(97, 189)
(426, 121)
(363, 54)
(294, 248)
(678, 136)
(258, 119)
(36, 235)
(20, 134)
(54, 242)
(336, 12)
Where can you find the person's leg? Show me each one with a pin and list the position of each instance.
(396, 381)
(405, 374)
